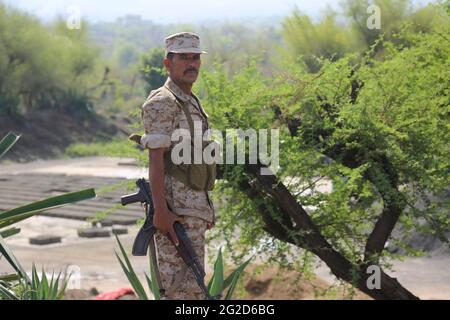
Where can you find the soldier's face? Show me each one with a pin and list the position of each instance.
(183, 67)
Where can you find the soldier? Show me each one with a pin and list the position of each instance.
(175, 196)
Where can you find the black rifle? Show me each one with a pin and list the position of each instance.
(147, 231)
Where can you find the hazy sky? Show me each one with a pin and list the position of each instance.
(173, 11)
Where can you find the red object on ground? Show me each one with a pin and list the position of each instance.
(114, 295)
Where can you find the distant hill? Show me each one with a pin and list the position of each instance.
(46, 133)
(146, 34)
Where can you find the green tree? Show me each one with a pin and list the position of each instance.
(235, 44)
(127, 55)
(324, 39)
(29, 51)
(335, 35)
(153, 72)
(379, 139)
(393, 14)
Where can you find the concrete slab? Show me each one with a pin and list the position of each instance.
(94, 232)
(18, 190)
(44, 240)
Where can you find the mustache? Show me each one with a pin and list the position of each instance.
(190, 69)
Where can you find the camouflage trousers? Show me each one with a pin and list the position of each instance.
(177, 279)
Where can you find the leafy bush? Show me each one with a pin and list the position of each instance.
(376, 132)
(28, 52)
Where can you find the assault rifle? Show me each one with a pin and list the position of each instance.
(147, 231)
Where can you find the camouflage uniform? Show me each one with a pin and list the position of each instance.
(176, 278)
(161, 116)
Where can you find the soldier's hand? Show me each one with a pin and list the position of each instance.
(135, 137)
(163, 220)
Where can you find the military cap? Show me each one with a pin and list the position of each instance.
(183, 42)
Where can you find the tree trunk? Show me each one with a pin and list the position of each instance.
(306, 235)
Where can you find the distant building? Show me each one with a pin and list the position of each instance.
(130, 19)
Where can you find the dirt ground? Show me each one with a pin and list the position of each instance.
(58, 130)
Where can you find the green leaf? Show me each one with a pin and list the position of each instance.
(50, 287)
(7, 142)
(216, 286)
(35, 283)
(44, 288)
(20, 213)
(5, 283)
(155, 288)
(152, 286)
(63, 289)
(232, 287)
(237, 271)
(7, 294)
(9, 256)
(134, 281)
(54, 285)
(129, 271)
(149, 283)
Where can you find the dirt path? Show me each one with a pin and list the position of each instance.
(427, 277)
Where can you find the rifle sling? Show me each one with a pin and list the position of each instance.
(185, 109)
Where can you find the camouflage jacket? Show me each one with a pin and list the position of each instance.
(161, 116)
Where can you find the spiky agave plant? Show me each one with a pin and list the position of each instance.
(10, 282)
(217, 285)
